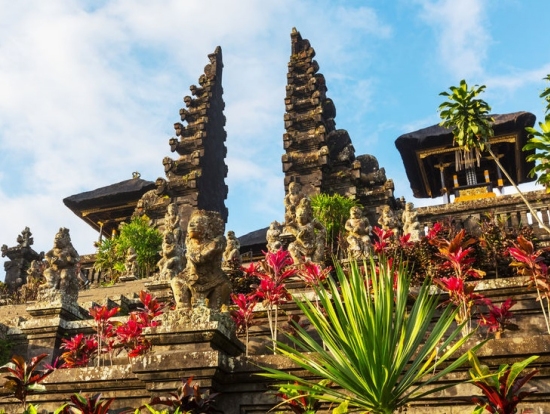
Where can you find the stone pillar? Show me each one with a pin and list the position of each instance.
(47, 327)
(198, 343)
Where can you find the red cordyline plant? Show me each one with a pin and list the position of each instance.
(105, 329)
(82, 404)
(113, 335)
(502, 390)
(383, 240)
(530, 262)
(456, 260)
(24, 378)
(273, 273)
(499, 317)
(244, 313)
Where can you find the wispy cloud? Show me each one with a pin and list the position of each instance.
(459, 28)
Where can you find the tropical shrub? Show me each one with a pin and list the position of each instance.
(332, 211)
(272, 273)
(540, 141)
(113, 336)
(188, 399)
(503, 390)
(379, 354)
(24, 378)
(138, 234)
(531, 262)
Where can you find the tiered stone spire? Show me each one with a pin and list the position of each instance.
(196, 180)
(315, 150)
(319, 156)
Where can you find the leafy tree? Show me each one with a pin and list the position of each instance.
(138, 234)
(469, 120)
(332, 211)
(379, 354)
(540, 141)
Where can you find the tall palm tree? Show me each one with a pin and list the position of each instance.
(468, 118)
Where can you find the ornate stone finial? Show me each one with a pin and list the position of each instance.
(232, 255)
(388, 221)
(136, 175)
(171, 262)
(359, 230)
(273, 237)
(203, 278)
(61, 271)
(309, 243)
(411, 225)
(172, 224)
(291, 201)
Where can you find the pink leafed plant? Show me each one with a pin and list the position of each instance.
(499, 317)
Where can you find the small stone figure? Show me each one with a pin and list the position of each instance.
(130, 262)
(359, 230)
(232, 254)
(171, 262)
(203, 281)
(273, 237)
(388, 221)
(61, 279)
(309, 243)
(172, 223)
(411, 225)
(291, 201)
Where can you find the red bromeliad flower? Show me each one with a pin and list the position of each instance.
(499, 317)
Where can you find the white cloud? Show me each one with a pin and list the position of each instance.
(460, 33)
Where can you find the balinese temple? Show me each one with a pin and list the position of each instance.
(317, 155)
(194, 180)
(106, 207)
(429, 157)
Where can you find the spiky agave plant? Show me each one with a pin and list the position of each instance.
(379, 352)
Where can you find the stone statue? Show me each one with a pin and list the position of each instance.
(388, 221)
(411, 225)
(273, 237)
(291, 201)
(203, 282)
(359, 230)
(171, 263)
(232, 254)
(172, 224)
(130, 262)
(61, 278)
(309, 243)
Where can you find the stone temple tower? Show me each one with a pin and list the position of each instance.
(196, 179)
(317, 155)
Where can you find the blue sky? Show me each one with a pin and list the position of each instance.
(89, 90)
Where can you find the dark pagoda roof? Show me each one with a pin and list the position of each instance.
(109, 205)
(417, 147)
(254, 243)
